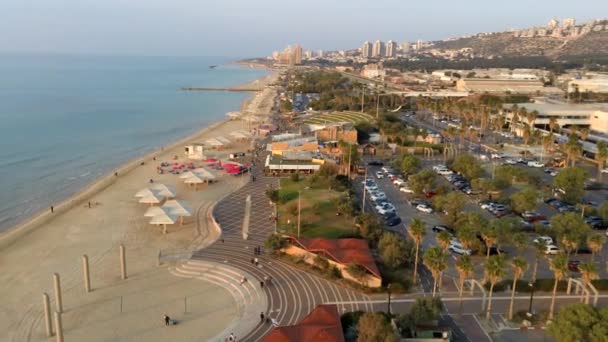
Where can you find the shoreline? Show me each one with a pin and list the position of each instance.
(37, 219)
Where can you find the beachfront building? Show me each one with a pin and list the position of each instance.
(322, 324)
(502, 86)
(339, 253)
(299, 144)
(293, 162)
(337, 132)
(195, 151)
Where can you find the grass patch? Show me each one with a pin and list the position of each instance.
(350, 117)
(318, 208)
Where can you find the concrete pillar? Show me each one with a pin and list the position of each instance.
(85, 273)
(47, 315)
(57, 284)
(123, 263)
(58, 327)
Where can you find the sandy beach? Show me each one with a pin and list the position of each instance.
(118, 309)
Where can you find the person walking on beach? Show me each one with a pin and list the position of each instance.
(262, 317)
(243, 280)
(89, 204)
(232, 338)
(256, 261)
(167, 319)
(52, 209)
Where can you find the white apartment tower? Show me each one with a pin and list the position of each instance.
(379, 49)
(366, 50)
(391, 49)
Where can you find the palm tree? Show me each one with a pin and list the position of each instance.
(573, 148)
(596, 243)
(570, 241)
(553, 125)
(559, 267)
(539, 250)
(443, 240)
(519, 265)
(589, 272)
(464, 266)
(436, 260)
(584, 133)
(601, 156)
(418, 231)
(494, 270)
(489, 236)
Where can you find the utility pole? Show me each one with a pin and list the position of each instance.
(377, 104)
(364, 184)
(362, 97)
(350, 149)
(299, 211)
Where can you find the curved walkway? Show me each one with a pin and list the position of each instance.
(293, 292)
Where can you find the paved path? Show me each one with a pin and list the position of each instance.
(293, 293)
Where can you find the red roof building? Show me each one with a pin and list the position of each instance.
(321, 325)
(342, 251)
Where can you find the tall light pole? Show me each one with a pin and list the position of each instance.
(299, 211)
(530, 314)
(362, 97)
(388, 289)
(364, 184)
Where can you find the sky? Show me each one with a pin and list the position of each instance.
(250, 28)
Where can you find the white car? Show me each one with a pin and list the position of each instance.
(456, 247)
(510, 161)
(371, 187)
(552, 250)
(605, 170)
(436, 168)
(445, 172)
(496, 156)
(379, 175)
(376, 196)
(535, 163)
(398, 182)
(406, 190)
(425, 208)
(546, 239)
(386, 208)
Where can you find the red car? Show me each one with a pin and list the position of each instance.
(430, 194)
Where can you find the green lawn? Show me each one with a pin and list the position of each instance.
(351, 117)
(318, 211)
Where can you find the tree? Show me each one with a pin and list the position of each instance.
(602, 211)
(350, 154)
(570, 229)
(489, 236)
(596, 242)
(572, 181)
(369, 226)
(409, 164)
(451, 204)
(357, 271)
(418, 231)
(423, 181)
(573, 148)
(464, 266)
(374, 326)
(601, 156)
(524, 200)
(425, 310)
(435, 259)
(519, 266)
(589, 271)
(579, 322)
(274, 242)
(494, 271)
(273, 195)
(468, 166)
(559, 267)
(392, 250)
(443, 240)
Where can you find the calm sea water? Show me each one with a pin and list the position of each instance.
(67, 120)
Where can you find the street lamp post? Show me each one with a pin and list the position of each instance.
(364, 184)
(388, 289)
(299, 210)
(530, 314)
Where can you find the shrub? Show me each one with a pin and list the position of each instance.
(321, 262)
(275, 242)
(295, 177)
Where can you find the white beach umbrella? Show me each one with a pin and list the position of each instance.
(186, 174)
(151, 199)
(154, 211)
(177, 208)
(204, 174)
(213, 142)
(163, 219)
(223, 140)
(194, 180)
(144, 193)
(164, 190)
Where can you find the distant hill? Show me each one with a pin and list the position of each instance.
(507, 45)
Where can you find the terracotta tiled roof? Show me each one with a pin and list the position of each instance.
(343, 251)
(321, 325)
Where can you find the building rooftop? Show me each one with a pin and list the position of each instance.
(343, 251)
(543, 107)
(321, 325)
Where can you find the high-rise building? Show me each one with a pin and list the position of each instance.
(366, 50)
(379, 49)
(406, 47)
(320, 54)
(552, 24)
(391, 49)
(419, 44)
(297, 54)
(568, 23)
(308, 54)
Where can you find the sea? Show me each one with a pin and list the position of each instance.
(67, 120)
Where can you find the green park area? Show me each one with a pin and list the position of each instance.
(324, 206)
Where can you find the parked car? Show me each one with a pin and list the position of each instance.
(535, 163)
(546, 239)
(425, 208)
(552, 250)
(456, 247)
(429, 194)
(496, 156)
(398, 181)
(377, 196)
(387, 207)
(395, 220)
(441, 228)
(379, 175)
(406, 190)
(445, 172)
(510, 161)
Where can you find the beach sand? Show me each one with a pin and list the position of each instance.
(118, 309)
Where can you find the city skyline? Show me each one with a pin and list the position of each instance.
(191, 28)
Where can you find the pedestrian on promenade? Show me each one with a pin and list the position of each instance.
(252, 261)
(275, 323)
(262, 284)
(256, 261)
(167, 319)
(262, 317)
(52, 209)
(259, 250)
(232, 338)
(243, 280)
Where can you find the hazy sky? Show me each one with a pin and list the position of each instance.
(256, 28)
